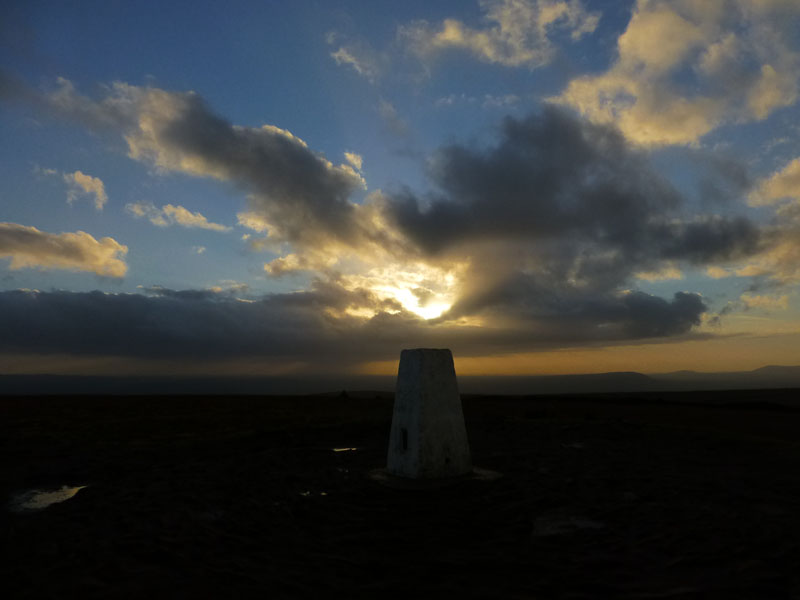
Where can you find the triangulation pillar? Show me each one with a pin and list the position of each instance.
(428, 439)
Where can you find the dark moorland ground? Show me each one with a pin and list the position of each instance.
(627, 496)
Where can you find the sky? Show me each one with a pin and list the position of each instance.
(308, 187)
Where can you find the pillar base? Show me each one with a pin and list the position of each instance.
(386, 479)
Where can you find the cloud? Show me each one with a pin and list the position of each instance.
(252, 220)
(148, 210)
(765, 302)
(393, 120)
(28, 247)
(488, 100)
(301, 194)
(781, 261)
(361, 58)
(320, 324)
(452, 99)
(517, 32)
(185, 323)
(291, 263)
(79, 183)
(298, 192)
(665, 273)
(555, 220)
(781, 185)
(113, 112)
(685, 68)
(354, 159)
(539, 236)
(186, 218)
(716, 272)
(491, 101)
(553, 177)
(172, 215)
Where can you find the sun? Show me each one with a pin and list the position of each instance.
(430, 309)
(424, 290)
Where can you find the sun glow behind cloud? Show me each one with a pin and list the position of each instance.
(425, 290)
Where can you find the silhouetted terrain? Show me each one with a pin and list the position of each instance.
(641, 495)
(770, 377)
(763, 378)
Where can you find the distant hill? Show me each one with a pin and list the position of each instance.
(771, 376)
(778, 371)
(768, 377)
(626, 381)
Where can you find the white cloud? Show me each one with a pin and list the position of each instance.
(28, 247)
(491, 101)
(488, 100)
(452, 99)
(360, 58)
(291, 263)
(186, 218)
(741, 61)
(79, 183)
(517, 32)
(43, 171)
(148, 210)
(172, 215)
(254, 221)
(354, 159)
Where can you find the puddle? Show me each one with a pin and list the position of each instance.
(39, 499)
(344, 449)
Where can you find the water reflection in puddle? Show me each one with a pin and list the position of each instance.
(39, 499)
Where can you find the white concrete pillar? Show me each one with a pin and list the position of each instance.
(428, 439)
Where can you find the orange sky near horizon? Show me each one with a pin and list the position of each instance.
(714, 355)
(722, 354)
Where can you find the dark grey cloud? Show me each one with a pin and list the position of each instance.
(724, 180)
(177, 324)
(297, 191)
(311, 325)
(707, 239)
(552, 175)
(557, 218)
